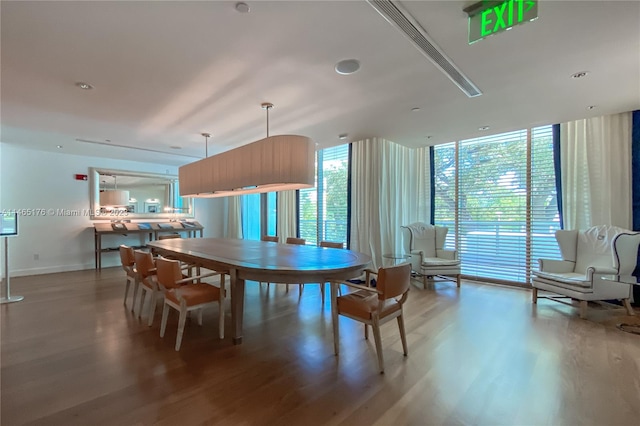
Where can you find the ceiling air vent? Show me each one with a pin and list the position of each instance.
(411, 29)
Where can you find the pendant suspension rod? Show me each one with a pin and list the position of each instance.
(206, 144)
(267, 106)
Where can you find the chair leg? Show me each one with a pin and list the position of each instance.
(135, 295)
(366, 332)
(165, 315)
(424, 282)
(322, 292)
(403, 336)
(286, 288)
(534, 295)
(142, 297)
(376, 336)
(152, 308)
(583, 309)
(126, 290)
(458, 280)
(627, 305)
(181, 322)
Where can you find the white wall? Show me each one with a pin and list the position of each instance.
(41, 180)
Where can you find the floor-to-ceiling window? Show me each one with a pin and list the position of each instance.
(497, 195)
(258, 215)
(323, 210)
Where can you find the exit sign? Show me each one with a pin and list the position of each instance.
(491, 17)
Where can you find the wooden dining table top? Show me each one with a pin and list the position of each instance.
(252, 257)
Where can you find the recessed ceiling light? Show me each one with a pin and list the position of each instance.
(590, 107)
(59, 146)
(483, 128)
(84, 86)
(343, 136)
(175, 147)
(428, 137)
(347, 66)
(242, 7)
(416, 109)
(580, 74)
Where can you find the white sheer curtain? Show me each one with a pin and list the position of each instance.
(287, 220)
(233, 222)
(596, 171)
(390, 188)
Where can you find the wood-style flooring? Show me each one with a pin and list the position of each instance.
(72, 354)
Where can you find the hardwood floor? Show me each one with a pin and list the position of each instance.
(482, 354)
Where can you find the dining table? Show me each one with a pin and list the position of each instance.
(263, 261)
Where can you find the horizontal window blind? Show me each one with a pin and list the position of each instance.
(335, 169)
(492, 206)
(497, 196)
(545, 218)
(308, 213)
(323, 210)
(446, 203)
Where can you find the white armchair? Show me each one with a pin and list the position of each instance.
(587, 257)
(425, 244)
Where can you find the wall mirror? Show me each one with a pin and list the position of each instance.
(123, 194)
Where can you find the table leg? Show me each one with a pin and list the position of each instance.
(98, 243)
(334, 317)
(237, 306)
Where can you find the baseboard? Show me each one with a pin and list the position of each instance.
(50, 270)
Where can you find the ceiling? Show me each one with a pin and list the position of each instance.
(165, 72)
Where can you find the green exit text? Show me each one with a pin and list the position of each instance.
(494, 17)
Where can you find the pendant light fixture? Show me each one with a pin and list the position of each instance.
(114, 197)
(275, 163)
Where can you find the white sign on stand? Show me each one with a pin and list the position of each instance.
(8, 228)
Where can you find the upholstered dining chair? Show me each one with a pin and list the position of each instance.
(169, 236)
(425, 245)
(300, 242)
(329, 244)
(270, 238)
(145, 263)
(185, 266)
(185, 297)
(375, 306)
(127, 259)
(587, 256)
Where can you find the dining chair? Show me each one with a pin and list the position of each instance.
(183, 295)
(127, 259)
(169, 236)
(300, 242)
(145, 263)
(185, 266)
(375, 306)
(329, 244)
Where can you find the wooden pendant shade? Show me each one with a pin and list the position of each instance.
(276, 163)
